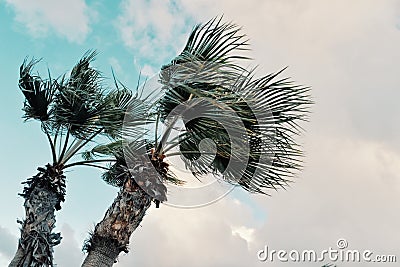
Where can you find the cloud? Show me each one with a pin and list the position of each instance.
(8, 243)
(69, 19)
(336, 198)
(148, 71)
(154, 31)
(174, 237)
(244, 232)
(346, 191)
(68, 253)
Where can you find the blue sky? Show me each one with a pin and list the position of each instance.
(350, 187)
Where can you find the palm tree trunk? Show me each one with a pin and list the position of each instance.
(42, 198)
(111, 235)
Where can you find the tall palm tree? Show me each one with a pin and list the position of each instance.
(252, 122)
(74, 112)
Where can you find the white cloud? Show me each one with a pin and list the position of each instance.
(69, 19)
(148, 71)
(153, 30)
(244, 232)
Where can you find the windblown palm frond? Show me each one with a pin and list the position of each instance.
(138, 151)
(38, 93)
(125, 115)
(252, 121)
(213, 41)
(258, 144)
(79, 100)
(208, 51)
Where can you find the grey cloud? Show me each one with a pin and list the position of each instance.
(8, 243)
(68, 253)
(201, 237)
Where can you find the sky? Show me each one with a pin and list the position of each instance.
(347, 51)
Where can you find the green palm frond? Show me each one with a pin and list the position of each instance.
(79, 99)
(134, 151)
(125, 114)
(251, 121)
(209, 54)
(213, 41)
(113, 149)
(38, 93)
(268, 111)
(195, 79)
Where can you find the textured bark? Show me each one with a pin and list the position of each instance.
(111, 236)
(104, 253)
(19, 255)
(35, 247)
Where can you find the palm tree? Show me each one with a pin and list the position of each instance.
(252, 122)
(73, 112)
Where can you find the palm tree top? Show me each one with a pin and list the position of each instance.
(253, 121)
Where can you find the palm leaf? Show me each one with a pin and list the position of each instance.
(269, 111)
(251, 121)
(208, 55)
(125, 114)
(38, 93)
(126, 154)
(213, 41)
(79, 99)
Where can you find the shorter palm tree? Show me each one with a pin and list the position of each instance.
(74, 112)
(252, 123)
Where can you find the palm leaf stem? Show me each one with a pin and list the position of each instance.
(156, 131)
(183, 152)
(88, 162)
(164, 138)
(94, 165)
(78, 146)
(65, 145)
(53, 149)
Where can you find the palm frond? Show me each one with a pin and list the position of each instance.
(257, 152)
(194, 79)
(38, 93)
(252, 122)
(213, 41)
(125, 114)
(126, 155)
(210, 50)
(79, 99)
